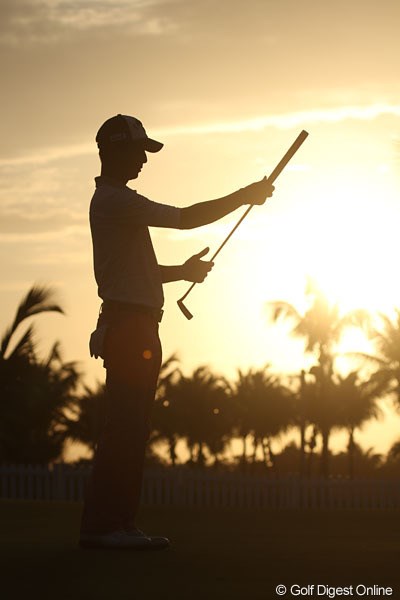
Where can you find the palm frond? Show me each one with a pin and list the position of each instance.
(38, 299)
(282, 310)
(394, 451)
(357, 318)
(376, 360)
(54, 354)
(25, 345)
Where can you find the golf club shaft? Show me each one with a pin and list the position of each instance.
(278, 169)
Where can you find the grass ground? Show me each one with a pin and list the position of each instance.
(215, 554)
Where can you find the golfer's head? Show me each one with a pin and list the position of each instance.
(123, 143)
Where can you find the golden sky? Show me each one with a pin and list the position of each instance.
(227, 86)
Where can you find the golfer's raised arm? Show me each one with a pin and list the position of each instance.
(207, 212)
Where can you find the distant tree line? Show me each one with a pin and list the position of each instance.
(43, 407)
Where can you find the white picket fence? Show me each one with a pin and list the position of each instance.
(184, 487)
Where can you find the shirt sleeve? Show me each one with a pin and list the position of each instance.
(147, 212)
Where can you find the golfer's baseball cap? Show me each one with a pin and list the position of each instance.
(123, 128)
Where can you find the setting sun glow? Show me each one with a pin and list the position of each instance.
(227, 96)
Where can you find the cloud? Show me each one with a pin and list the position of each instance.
(288, 120)
(280, 121)
(17, 222)
(21, 184)
(46, 155)
(57, 257)
(27, 21)
(69, 233)
(38, 200)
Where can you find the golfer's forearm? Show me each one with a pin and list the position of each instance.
(204, 213)
(171, 273)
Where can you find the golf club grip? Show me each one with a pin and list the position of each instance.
(289, 154)
(278, 169)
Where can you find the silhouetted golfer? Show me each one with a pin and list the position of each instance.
(129, 281)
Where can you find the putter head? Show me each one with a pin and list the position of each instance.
(185, 311)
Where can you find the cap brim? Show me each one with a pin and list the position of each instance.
(152, 145)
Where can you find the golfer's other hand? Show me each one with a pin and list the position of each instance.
(195, 269)
(258, 192)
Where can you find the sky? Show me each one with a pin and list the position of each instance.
(227, 86)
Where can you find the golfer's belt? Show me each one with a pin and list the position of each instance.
(114, 306)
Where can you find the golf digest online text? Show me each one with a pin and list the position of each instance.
(358, 591)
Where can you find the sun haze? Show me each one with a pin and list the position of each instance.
(227, 89)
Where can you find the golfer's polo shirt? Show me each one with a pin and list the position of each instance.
(125, 264)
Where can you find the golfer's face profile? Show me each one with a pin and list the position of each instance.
(135, 158)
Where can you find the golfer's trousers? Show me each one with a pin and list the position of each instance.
(132, 358)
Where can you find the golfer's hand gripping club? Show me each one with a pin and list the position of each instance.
(278, 169)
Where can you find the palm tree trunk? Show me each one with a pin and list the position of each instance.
(268, 453)
(200, 454)
(191, 453)
(271, 455)
(311, 445)
(255, 446)
(325, 453)
(350, 450)
(265, 449)
(302, 430)
(172, 451)
(302, 425)
(244, 454)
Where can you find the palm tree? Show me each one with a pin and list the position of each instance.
(357, 402)
(201, 410)
(34, 393)
(304, 401)
(319, 408)
(166, 419)
(321, 326)
(209, 413)
(39, 299)
(348, 402)
(242, 393)
(394, 451)
(89, 409)
(264, 409)
(386, 338)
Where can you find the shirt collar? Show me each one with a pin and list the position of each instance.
(104, 180)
